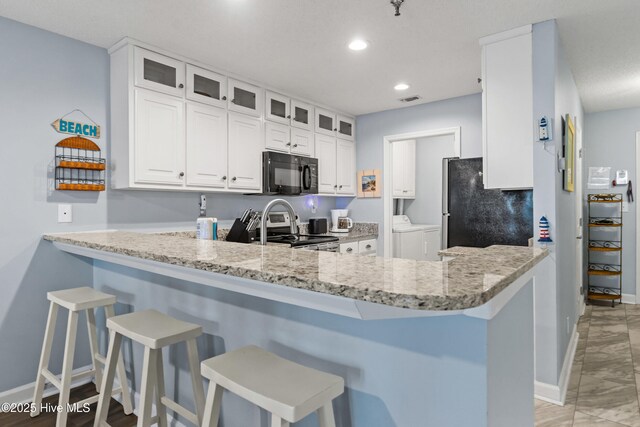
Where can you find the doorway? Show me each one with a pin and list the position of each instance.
(422, 209)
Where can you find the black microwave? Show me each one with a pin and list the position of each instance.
(289, 175)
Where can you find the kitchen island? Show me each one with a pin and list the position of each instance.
(445, 343)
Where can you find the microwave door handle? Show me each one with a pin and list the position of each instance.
(306, 177)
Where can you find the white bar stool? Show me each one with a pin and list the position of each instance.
(154, 330)
(288, 390)
(76, 300)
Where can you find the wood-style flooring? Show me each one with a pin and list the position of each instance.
(116, 417)
(605, 379)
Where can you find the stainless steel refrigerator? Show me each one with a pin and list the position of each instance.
(473, 216)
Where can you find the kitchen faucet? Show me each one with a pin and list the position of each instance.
(265, 214)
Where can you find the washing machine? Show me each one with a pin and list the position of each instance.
(415, 241)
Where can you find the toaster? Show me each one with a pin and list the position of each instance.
(318, 225)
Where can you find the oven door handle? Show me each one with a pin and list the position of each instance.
(306, 177)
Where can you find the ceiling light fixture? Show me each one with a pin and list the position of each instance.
(401, 86)
(396, 4)
(358, 44)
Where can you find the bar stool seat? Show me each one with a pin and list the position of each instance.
(154, 330)
(76, 300)
(286, 389)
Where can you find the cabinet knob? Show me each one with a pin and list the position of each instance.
(180, 85)
(224, 98)
(341, 187)
(288, 144)
(234, 179)
(295, 145)
(368, 246)
(349, 249)
(335, 129)
(289, 116)
(224, 178)
(181, 174)
(335, 186)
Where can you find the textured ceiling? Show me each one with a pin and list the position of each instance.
(299, 46)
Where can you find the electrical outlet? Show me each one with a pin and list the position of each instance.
(65, 213)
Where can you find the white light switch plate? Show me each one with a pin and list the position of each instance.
(65, 213)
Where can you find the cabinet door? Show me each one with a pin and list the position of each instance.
(507, 79)
(277, 108)
(346, 167)
(206, 146)
(245, 152)
(326, 154)
(302, 142)
(325, 122)
(245, 98)
(206, 86)
(158, 72)
(277, 137)
(398, 175)
(409, 189)
(159, 138)
(346, 127)
(301, 115)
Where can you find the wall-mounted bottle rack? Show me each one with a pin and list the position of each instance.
(79, 165)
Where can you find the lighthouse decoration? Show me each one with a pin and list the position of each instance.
(544, 230)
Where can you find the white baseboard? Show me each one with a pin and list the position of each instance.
(556, 394)
(628, 299)
(24, 393)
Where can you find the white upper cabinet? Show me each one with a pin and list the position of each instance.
(206, 86)
(507, 98)
(246, 142)
(158, 72)
(206, 146)
(326, 154)
(159, 133)
(245, 98)
(346, 167)
(325, 122)
(346, 127)
(403, 158)
(277, 108)
(301, 115)
(277, 137)
(302, 142)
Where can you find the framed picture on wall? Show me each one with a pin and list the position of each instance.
(569, 148)
(369, 183)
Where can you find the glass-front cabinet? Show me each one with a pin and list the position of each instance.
(325, 122)
(346, 126)
(278, 108)
(206, 86)
(245, 98)
(301, 115)
(158, 72)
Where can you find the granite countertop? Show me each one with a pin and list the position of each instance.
(467, 281)
(360, 231)
(459, 250)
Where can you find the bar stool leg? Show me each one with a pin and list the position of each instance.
(67, 368)
(148, 385)
(102, 410)
(212, 407)
(276, 421)
(122, 374)
(160, 392)
(93, 344)
(325, 416)
(44, 357)
(196, 378)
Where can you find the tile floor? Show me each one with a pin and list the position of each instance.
(605, 379)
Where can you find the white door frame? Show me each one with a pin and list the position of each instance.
(637, 221)
(387, 175)
(579, 216)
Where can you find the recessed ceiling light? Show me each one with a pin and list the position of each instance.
(358, 44)
(401, 86)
